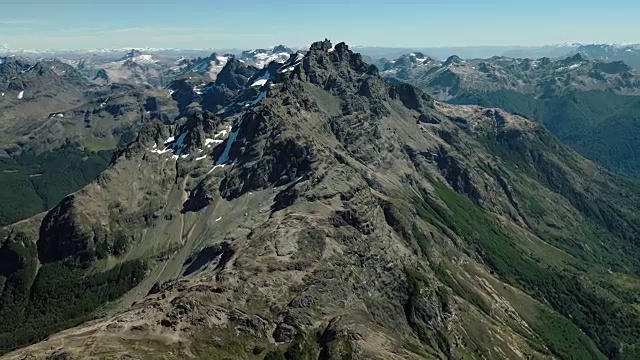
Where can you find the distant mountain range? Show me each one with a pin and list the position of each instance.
(592, 105)
(630, 53)
(624, 52)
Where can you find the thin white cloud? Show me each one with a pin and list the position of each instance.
(17, 22)
(156, 31)
(133, 37)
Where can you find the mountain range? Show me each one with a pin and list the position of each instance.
(611, 52)
(77, 111)
(322, 208)
(592, 105)
(59, 129)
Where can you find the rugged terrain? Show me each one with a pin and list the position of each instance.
(61, 119)
(321, 212)
(58, 130)
(591, 105)
(629, 54)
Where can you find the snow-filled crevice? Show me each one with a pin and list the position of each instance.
(262, 80)
(178, 146)
(224, 158)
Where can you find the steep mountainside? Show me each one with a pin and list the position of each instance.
(593, 106)
(324, 213)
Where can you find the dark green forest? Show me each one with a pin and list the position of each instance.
(32, 183)
(602, 126)
(37, 302)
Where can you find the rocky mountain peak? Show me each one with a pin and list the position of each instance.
(101, 75)
(218, 59)
(545, 61)
(235, 74)
(453, 59)
(577, 58)
(321, 46)
(191, 133)
(11, 66)
(323, 55)
(131, 54)
(615, 67)
(282, 49)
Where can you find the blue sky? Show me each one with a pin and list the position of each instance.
(75, 24)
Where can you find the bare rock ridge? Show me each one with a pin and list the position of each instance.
(316, 211)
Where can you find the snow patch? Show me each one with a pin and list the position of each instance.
(144, 59)
(215, 167)
(208, 142)
(570, 67)
(169, 139)
(218, 219)
(225, 154)
(260, 82)
(263, 79)
(20, 95)
(28, 70)
(261, 60)
(222, 133)
(201, 158)
(160, 152)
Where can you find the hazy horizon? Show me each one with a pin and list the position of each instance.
(198, 24)
(374, 46)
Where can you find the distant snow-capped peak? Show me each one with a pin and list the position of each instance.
(262, 57)
(568, 44)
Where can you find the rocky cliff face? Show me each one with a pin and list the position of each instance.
(324, 213)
